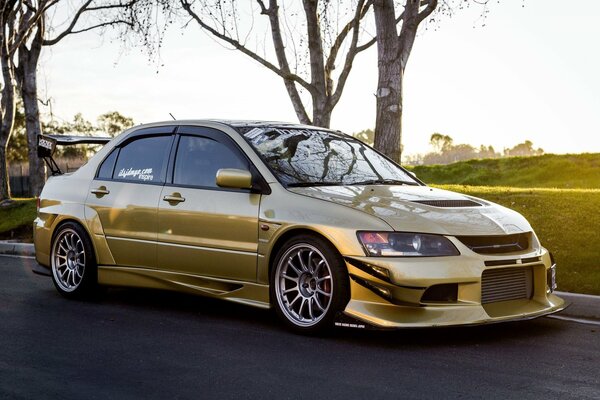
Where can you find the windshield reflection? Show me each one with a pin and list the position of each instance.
(304, 157)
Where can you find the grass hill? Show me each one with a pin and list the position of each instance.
(568, 171)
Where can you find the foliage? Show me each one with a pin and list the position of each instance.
(366, 136)
(549, 170)
(113, 123)
(20, 214)
(17, 144)
(446, 152)
(523, 150)
(565, 220)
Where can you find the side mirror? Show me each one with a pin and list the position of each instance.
(413, 174)
(234, 178)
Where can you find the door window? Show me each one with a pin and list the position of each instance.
(199, 158)
(143, 160)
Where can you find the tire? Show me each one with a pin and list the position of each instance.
(73, 263)
(308, 284)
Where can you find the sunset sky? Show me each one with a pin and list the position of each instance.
(532, 72)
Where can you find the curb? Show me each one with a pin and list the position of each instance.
(16, 248)
(581, 305)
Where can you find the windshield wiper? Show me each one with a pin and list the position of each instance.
(309, 184)
(385, 182)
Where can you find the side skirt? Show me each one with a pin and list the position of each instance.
(249, 293)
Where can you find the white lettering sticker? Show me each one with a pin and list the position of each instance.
(141, 174)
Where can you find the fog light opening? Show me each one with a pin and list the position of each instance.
(444, 293)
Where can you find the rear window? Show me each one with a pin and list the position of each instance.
(143, 160)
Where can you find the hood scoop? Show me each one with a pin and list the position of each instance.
(449, 203)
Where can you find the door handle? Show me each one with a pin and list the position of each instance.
(174, 198)
(101, 191)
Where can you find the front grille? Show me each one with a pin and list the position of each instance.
(496, 244)
(449, 203)
(506, 284)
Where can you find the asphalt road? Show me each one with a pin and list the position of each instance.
(149, 344)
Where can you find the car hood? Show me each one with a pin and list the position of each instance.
(399, 206)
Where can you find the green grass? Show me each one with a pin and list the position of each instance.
(567, 222)
(16, 220)
(548, 171)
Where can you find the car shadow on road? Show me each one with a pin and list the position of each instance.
(218, 311)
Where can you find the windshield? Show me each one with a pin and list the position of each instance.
(304, 157)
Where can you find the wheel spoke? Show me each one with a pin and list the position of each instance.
(304, 267)
(319, 290)
(318, 268)
(294, 268)
(318, 303)
(310, 262)
(289, 278)
(295, 299)
(310, 308)
(301, 307)
(323, 278)
(290, 290)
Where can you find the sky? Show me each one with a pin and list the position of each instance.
(530, 70)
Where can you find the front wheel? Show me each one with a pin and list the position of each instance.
(74, 270)
(309, 284)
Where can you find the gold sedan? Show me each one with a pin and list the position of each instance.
(306, 220)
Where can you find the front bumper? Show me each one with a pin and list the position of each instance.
(402, 292)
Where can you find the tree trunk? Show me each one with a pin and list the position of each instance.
(27, 75)
(4, 184)
(7, 111)
(389, 84)
(393, 51)
(388, 117)
(321, 114)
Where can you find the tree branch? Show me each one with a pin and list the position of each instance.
(362, 9)
(352, 52)
(374, 39)
(238, 46)
(84, 8)
(430, 7)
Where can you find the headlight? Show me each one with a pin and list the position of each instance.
(401, 244)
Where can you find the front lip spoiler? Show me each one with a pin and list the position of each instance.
(372, 326)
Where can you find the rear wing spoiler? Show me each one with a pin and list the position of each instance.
(47, 145)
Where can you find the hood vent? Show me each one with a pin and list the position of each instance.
(449, 203)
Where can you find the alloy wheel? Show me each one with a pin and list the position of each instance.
(304, 285)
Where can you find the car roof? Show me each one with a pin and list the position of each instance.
(240, 125)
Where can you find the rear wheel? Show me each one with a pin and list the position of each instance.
(309, 284)
(74, 270)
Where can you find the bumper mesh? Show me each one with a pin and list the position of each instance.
(504, 284)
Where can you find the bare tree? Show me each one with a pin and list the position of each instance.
(17, 19)
(28, 59)
(396, 25)
(323, 33)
